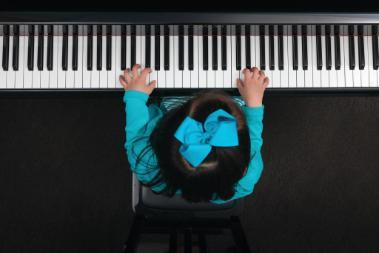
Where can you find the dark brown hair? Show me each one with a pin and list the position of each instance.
(220, 170)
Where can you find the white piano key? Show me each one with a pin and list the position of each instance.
(3, 74)
(112, 75)
(257, 58)
(276, 72)
(20, 73)
(324, 72)
(186, 71)
(79, 73)
(95, 73)
(284, 73)
(128, 47)
(300, 73)
(252, 46)
(117, 57)
(291, 72)
(202, 72)
(53, 77)
(316, 72)
(373, 82)
(70, 75)
(196, 52)
(365, 72)
(219, 73)
(211, 75)
(142, 46)
(178, 74)
(348, 73)
(11, 74)
(243, 49)
(267, 71)
(228, 82)
(61, 73)
(138, 46)
(356, 71)
(104, 72)
(170, 78)
(45, 72)
(234, 71)
(86, 72)
(341, 78)
(333, 77)
(28, 74)
(308, 74)
(161, 72)
(153, 74)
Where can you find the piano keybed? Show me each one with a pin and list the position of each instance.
(91, 57)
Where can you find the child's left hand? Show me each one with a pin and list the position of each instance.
(132, 81)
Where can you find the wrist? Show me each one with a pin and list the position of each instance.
(253, 103)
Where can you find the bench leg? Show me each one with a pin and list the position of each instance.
(134, 235)
(239, 235)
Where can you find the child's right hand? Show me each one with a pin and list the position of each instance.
(132, 80)
(253, 86)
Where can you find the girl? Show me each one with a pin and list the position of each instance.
(206, 148)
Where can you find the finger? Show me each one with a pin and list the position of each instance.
(145, 72)
(261, 73)
(240, 84)
(255, 71)
(127, 76)
(135, 70)
(123, 82)
(266, 81)
(152, 85)
(246, 72)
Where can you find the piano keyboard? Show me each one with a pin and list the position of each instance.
(188, 56)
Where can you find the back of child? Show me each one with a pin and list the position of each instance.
(204, 147)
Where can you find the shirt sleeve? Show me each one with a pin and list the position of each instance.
(140, 121)
(245, 186)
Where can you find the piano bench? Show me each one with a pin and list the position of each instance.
(155, 213)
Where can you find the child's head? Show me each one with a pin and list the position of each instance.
(220, 170)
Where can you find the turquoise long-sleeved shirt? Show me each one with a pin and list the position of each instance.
(140, 123)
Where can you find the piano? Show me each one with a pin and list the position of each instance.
(57, 51)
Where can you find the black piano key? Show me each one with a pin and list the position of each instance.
(375, 55)
(214, 48)
(16, 47)
(65, 48)
(99, 49)
(147, 46)
(50, 47)
(304, 46)
(40, 50)
(133, 49)
(205, 47)
(166, 47)
(318, 47)
(223, 47)
(123, 47)
(328, 48)
(351, 47)
(295, 54)
(361, 52)
(247, 46)
(190, 47)
(337, 47)
(157, 47)
(181, 47)
(280, 48)
(75, 33)
(238, 47)
(30, 47)
(271, 47)
(262, 47)
(89, 47)
(5, 60)
(109, 47)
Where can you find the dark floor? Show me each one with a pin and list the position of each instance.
(65, 184)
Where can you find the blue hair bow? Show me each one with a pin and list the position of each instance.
(220, 130)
